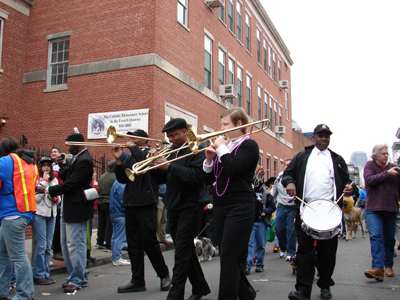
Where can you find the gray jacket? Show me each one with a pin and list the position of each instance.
(280, 194)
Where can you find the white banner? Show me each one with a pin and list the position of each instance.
(123, 121)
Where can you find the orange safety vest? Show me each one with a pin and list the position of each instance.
(24, 180)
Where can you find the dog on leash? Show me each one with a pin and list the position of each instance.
(204, 248)
(352, 215)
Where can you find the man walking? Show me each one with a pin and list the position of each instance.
(285, 215)
(185, 199)
(316, 173)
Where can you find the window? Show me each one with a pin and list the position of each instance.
(268, 168)
(230, 15)
(265, 105)
(275, 166)
(287, 105)
(58, 62)
(222, 11)
(274, 65)
(260, 159)
(231, 74)
(239, 20)
(280, 115)
(207, 61)
(248, 32)
(3, 16)
(182, 12)
(281, 166)
(259, 102)
(248, 84)
(258, 46)
(270, 61)
(275, 114)
(265, 55)
(240, 86)
(221, 66)
(279, 69)
(271, 116)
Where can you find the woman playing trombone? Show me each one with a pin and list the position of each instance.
(231, 165)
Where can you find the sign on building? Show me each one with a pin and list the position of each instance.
(123, 121)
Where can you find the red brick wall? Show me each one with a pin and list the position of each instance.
(300, 141)
(101, 31)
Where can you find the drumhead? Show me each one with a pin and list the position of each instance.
(322, 219)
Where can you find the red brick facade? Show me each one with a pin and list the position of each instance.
(300, 141)
(114, 30)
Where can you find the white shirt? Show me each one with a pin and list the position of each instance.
(222, 150)
(319, 180)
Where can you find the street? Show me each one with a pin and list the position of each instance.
(275, 282)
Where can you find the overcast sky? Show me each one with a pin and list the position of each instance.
(346, 68)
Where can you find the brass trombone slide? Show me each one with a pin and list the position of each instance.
(112, 134)
(194, 142)
(94, 144)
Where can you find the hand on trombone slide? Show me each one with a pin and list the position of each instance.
(162, 160)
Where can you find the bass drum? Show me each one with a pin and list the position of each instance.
(323, 223)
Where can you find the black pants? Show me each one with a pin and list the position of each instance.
(326, 260)
(141, 225)
(184, 226)
(56, 244)
(104, 231)
(232, 229)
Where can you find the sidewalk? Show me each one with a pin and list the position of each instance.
(101, 256)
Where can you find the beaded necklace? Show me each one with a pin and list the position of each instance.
(216, 174)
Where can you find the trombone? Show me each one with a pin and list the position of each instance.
(111, 136)
(193, 143)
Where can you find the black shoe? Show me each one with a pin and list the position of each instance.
(326, 293)
(165, 283)
(247, 271)
(131, 287)
(298, 296)
(259, 269)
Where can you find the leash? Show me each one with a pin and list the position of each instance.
(197, 236)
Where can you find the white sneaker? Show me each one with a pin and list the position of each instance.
(121, 262)
(50, 263)
(281, 254)
(288, 258)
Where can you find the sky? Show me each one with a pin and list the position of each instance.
(346, 68)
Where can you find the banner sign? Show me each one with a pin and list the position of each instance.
(123, 121)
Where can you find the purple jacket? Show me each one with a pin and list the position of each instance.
(382, 189)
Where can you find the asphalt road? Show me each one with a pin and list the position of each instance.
(274, 283)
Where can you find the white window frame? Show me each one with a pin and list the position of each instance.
(55, 38)
(259, 55)
(287, 105)
(240, 78)
(3, 17)
(259, 94)
(184, 4)
(231, 18)
(239, 22)
(221, 11)
(209, 40)
(248, 32)
(221, 64)
(248, 94)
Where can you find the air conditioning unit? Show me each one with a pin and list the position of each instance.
(283, 84)
(228, 91)
(280, 129)
(213, 3)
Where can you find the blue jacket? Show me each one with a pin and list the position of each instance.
(116, 198)
(8, 206)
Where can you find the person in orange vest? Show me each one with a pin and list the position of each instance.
(18, 176)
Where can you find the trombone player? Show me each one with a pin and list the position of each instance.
(185, 199)
(141, 205)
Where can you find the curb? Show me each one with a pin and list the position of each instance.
(102, 260)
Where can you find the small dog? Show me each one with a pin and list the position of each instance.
(203, 247)
(352, 215)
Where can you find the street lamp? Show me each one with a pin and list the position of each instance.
(3, 121)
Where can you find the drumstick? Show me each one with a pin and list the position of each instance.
(339, 199)
(305, 203)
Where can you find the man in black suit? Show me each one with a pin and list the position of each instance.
(76, 211)
(141, 204)
(185, 199)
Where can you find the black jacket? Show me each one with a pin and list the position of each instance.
(144, 190)
(184, 179)
(295, 173)
(77, 177)
(239, 169)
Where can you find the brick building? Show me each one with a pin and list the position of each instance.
(301, 140)
(63, 61)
